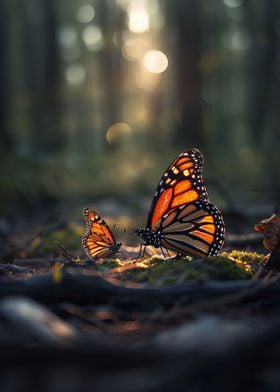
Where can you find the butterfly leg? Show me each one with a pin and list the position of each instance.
(162, 252)
(165, 252)
(142, 251)
(139, 253)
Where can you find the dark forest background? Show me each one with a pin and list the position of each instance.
(90, 110)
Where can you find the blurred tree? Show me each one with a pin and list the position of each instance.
(5, 96)
(184, 20)
(30, 75)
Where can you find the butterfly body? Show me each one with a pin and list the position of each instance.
(98, 240)
(150, 237)
(181, 218)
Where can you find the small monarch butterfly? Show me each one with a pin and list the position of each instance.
(98, 240)
(181, 218)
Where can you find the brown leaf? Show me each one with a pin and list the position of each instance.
(270, 229)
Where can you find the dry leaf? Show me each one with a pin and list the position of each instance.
(270, 229)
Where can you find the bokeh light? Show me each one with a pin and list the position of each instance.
(67, 36)
(241, 40)
(155, 61)
(75, 74)
(238, 40)
(68, 40)
(117, 132)
(134, 49)
(233, 3)
(85, 13)
(93, 37)
(138, 17)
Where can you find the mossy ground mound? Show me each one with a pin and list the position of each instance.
(157, 272)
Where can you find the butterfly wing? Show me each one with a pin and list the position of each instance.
(196, 228)
(180, 184)
(98, 240)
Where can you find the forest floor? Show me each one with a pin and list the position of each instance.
(129, 324)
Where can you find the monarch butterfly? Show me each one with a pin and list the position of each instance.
(181, 218)
(98, 240)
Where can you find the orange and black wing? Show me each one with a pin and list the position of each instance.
(195, 229)
(98, 240)
(181, 184)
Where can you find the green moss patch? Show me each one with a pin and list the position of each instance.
(158, 272)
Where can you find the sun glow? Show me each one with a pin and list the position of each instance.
(138, 17)
(155, 61)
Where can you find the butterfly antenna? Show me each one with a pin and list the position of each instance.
(119, 224)
(129, 232)
(66, 254)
